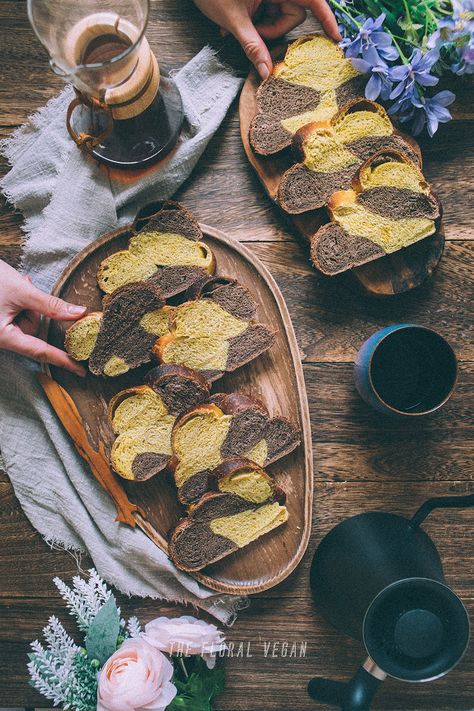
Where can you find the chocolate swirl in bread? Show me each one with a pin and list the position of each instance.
(331, 152)
(246, 505)
(311, 83)
(389, 207)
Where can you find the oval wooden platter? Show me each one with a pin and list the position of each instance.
(275, 377)
(394, 274)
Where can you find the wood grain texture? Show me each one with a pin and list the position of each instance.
(362, 461)
(276, 378)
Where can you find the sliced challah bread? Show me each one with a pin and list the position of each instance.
(215, 331)
(247, 505)
(143, 418)
(312, 82)
(168, 251)
(123, 335)
(229, 425)
(332, 151)
(390, 206)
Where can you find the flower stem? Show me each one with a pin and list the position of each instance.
(183, 666)
(402, 55)
(345, 12)
(403, 39)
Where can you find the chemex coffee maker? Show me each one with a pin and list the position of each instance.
(378, 578)
(125, 113)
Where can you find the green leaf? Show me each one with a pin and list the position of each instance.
(101, 638)
(196, 692)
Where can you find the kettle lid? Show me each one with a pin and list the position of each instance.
(416, 629)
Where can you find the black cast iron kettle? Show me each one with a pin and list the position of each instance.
(378, 578)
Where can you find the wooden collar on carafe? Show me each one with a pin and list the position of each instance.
(139, 85)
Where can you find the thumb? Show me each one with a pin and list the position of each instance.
(254, 47)
(52, 306)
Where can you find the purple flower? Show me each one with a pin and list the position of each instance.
(370, 38)
(404, 105)
(379, 83)
(465, 65)
(457, 33)
(416, 70)
(432, 111)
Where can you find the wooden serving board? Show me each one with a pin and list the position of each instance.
(394, 274)
(275, 377)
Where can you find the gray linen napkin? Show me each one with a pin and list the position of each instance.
(67, 201)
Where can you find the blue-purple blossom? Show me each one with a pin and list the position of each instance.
(404, 105)
(432, 111)
(416, 70)
(444, 34)
(370, 38)
(465, 65)
(379, 83)
(457, 32)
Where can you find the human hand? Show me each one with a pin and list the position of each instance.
(275, 18)
(21, 306)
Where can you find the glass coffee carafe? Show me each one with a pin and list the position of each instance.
(126, 113)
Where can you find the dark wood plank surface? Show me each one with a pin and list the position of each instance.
(362, 462)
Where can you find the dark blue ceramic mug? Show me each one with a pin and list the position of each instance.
(406, 370)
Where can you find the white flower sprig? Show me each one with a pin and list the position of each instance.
(85, 598)
(50, 668)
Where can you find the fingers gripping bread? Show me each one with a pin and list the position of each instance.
(390, 206)
(332, 151)
(168, 251)
(229, 425)
(143, 418)
(215, 331)
(246, 506)
(123, 335)
(310, 84)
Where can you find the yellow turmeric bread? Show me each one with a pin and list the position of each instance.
(215, 330)
(122, 336)
(168, 252)
(390, 206)
(311, 83)
(143, 418)
(228, 425)
(332, 151)
(246, 505)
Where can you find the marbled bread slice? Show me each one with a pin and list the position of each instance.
(143, 417)
(229, 425)
(215, 330)
(332, 151)
(168, 252)
(311, 83)
(246, 506)
(122, 336)
(389, 207)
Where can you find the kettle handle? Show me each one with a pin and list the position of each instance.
(353, 695)
(440, 502)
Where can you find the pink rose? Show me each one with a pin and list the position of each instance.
(185, 635)
(135, 678)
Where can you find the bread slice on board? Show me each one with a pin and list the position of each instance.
(246, 506)
(122, 336)
(332, 151)
(390, 206)
(168, 252)
(229, 425)
(311, 83)
(143, 417)
(215, 330)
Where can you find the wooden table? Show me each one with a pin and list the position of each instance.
(362, 461)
